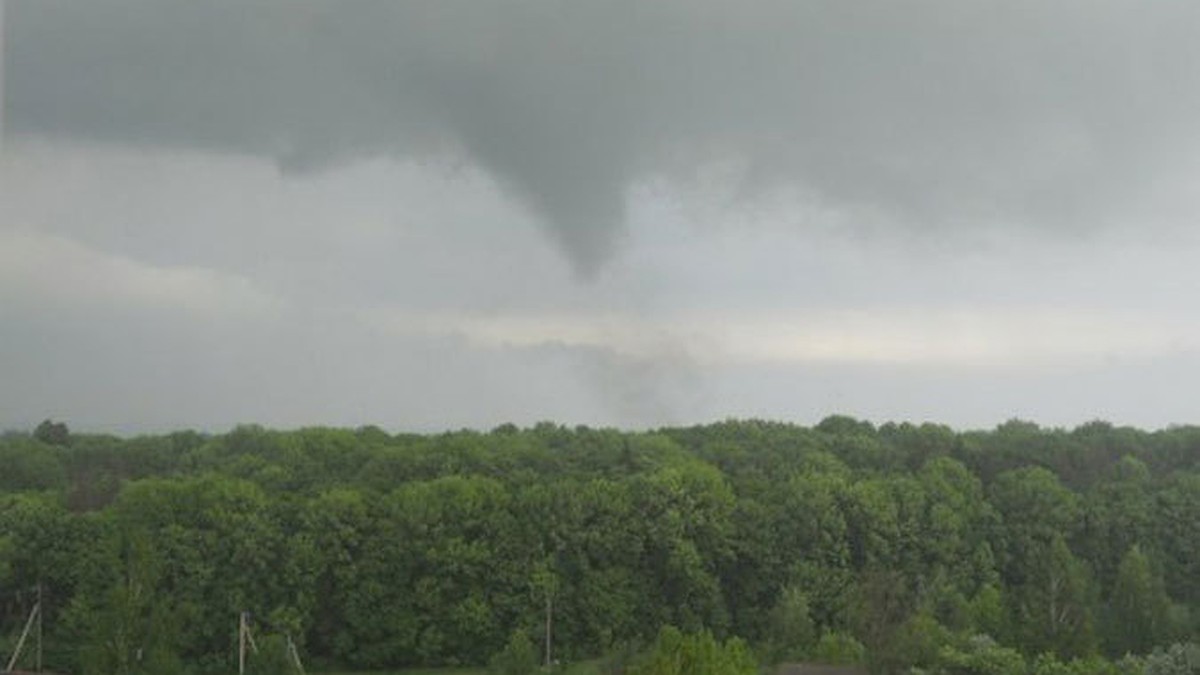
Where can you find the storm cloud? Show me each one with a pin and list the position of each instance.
(436, 214)
(928, 114)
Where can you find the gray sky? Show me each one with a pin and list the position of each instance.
(429, 215)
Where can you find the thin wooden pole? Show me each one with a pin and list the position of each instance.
(241, 643)
(549, 624)
(41, 614)
(295, 654)
(250, 636)
(12, 662)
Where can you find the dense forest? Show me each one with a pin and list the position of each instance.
(904, 548)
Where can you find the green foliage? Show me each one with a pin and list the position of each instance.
(271, 658)
(1050, 590)
(30, 465)
(845, 543)
(1049, 664)
(980, 655)
(987, 611)
(1119, 513)
(52, 433)
(620, 658)
(918, 642)
(517, 658)
(1178, 659)
(840, 649)
(129, 629)
(1177, 534)
(791, 633)
(6, 552)
(676, 653)
(1053, 605)
(1138, 608)
(884, 604)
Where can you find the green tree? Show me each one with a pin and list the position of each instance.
(884, 604)
(6, 551)
(981, 655)
(676, 653)
(686, 509)
(1053, 607)
(1137, 608)
(790, 630)
(1118, 513)
(1177, 534)
(30, 466)
(839, 648)
(1049, 664)
(987, 610)
(918, 643)
(273, 657)
(517, 658)
(388, 551)
(130, 629)
(1048, 588)
(52, 433)
(1178, 659)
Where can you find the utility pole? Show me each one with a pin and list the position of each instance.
(38, 665)
(291, 646)
(549, 625)
(245, 639)
(242, 643)
(12, 662)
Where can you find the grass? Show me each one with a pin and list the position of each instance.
(582, 668)
(411, 671)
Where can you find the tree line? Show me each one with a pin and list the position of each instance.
(901, 547)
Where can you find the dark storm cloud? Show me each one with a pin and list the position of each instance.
(929, 113)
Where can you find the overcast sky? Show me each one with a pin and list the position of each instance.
(431, 215)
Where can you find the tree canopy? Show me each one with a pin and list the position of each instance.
(892, 547)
